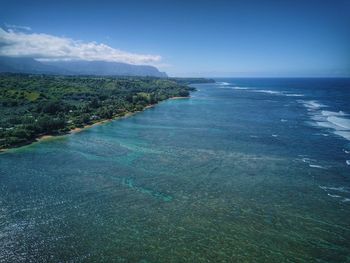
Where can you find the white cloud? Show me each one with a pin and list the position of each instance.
(48, 47)
(17, 27)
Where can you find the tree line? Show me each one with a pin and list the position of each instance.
(35, 105)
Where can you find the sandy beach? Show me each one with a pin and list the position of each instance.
(76, 130)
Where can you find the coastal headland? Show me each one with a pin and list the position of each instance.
(38, 107)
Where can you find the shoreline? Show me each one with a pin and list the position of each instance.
(178, 98)
(45, 137)
(77, 129)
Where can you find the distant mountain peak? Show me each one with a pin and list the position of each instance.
(76, 67)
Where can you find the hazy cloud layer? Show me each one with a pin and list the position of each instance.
(17, 27)
(48, 47)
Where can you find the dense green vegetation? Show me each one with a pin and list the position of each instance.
(35, 105)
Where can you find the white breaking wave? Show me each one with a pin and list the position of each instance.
(294, 95)
(275, 92)
(333, 113)
(268, 91)
(239, 88)
(308, 160)
(322, 134)
(335, 121)
(336, 189)
(223, 83)
(312, 104)
(312, 163)
(316, 166)
(337, 192)
(336, 196)
(341, 122)
(344, 134)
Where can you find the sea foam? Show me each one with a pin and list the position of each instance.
(293, 95)
(312, 104)
(316, 166)
(312, 163)
(336, 196)
(341, 122)
(267, 91)
(239, 88)
(275, 92)
(337, 192)
(336, 121)
(333, 113)
(223, 83)
(336, 189)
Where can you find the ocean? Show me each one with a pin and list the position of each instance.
(245, 170)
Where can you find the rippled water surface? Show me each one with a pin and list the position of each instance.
(246, 170)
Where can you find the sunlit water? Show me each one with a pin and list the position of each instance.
(243, 171)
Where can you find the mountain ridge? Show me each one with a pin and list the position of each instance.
(76, 67)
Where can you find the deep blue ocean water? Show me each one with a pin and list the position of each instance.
(246, 170)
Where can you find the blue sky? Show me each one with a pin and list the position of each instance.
(198, 38)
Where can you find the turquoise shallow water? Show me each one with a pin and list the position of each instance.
(243, 171)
